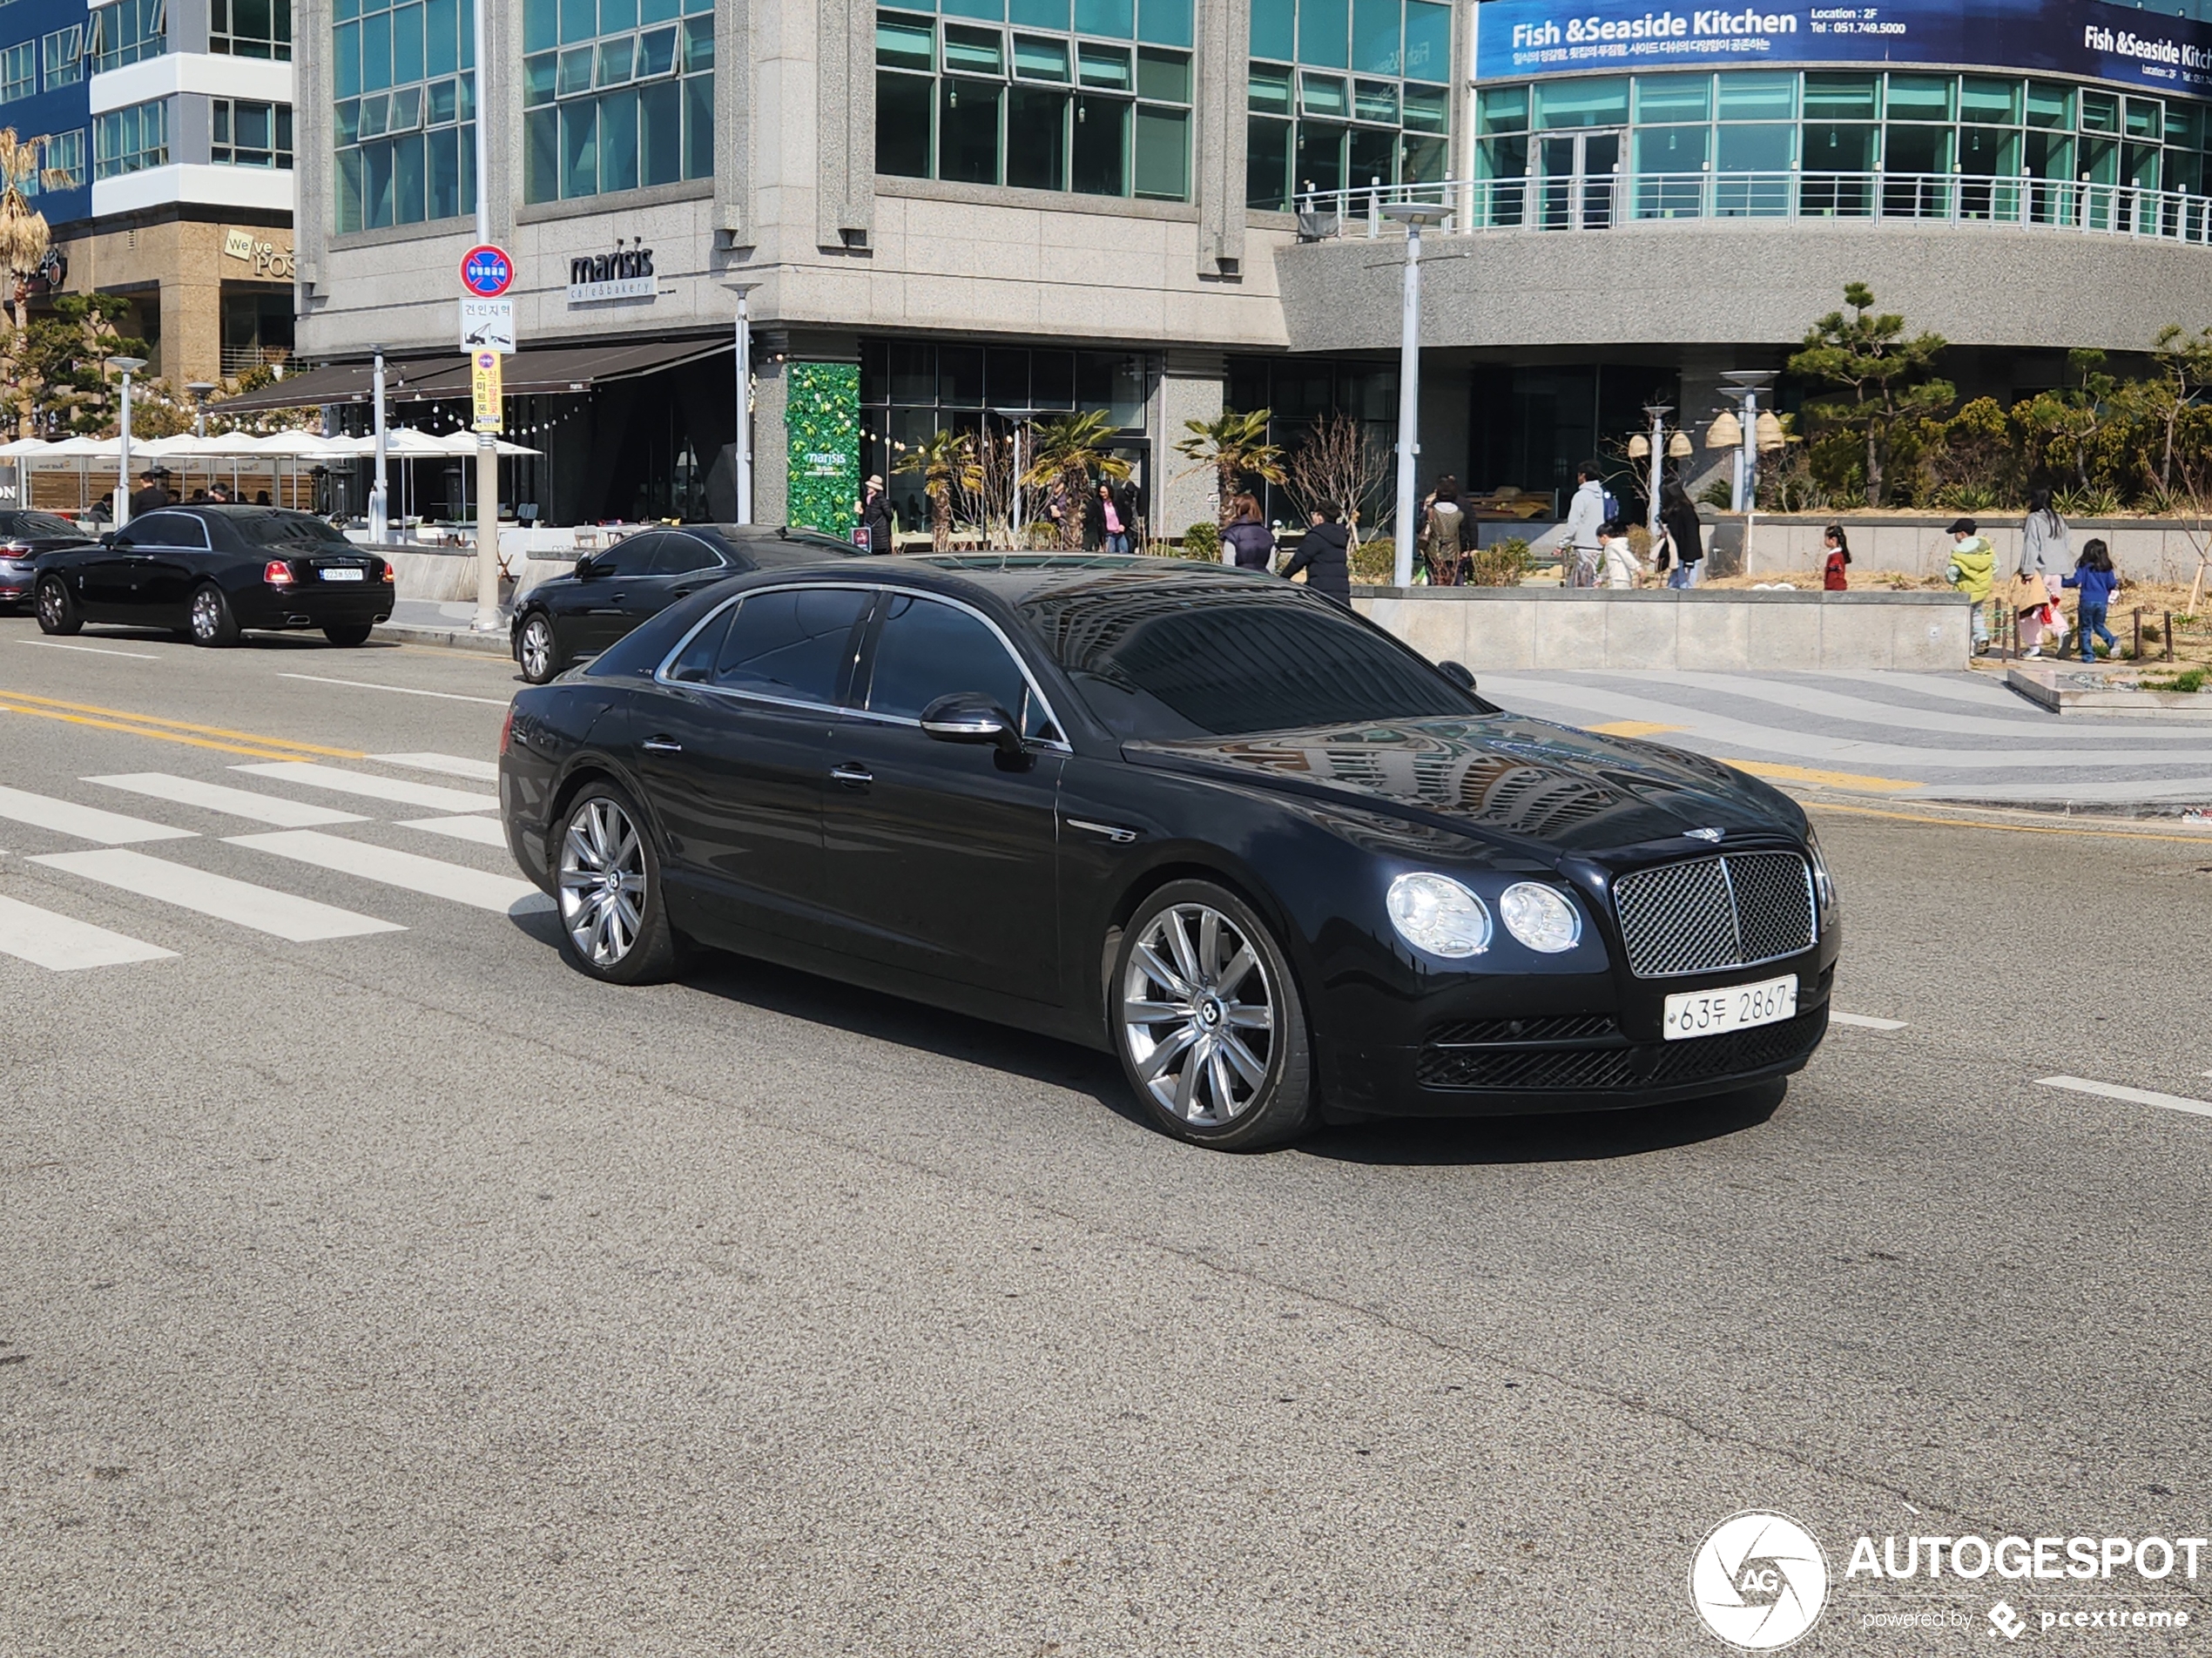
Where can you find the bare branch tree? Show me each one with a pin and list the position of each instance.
(1339, 461)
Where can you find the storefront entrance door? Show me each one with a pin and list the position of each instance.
(1578, 173)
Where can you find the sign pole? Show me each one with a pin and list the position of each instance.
(379, 522)
(487, 618)
(745, 408)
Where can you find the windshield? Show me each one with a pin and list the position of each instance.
(293, 529)
(27, 525)
(1157, 661)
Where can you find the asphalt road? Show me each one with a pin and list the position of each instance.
(403, 1292)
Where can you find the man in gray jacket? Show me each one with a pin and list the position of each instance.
(1579, 541)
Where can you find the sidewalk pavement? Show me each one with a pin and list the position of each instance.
(442, 622)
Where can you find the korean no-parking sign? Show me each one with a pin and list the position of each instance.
(486, 271)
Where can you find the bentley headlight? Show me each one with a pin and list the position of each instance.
(1823, 884)
(1436, 915)
(1540, 917)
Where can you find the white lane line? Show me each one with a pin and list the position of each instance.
(62, 945)
(91, 650)
(432, 876)
(86, 823)
(1865, 1021)
(2132, 1096)
(376, 788)
(404, 690)
(236, 803)
(482, 832)
(299, 919)
(451, 765)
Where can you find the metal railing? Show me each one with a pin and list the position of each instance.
(1607, 201)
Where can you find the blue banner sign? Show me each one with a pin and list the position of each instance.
(2087, 38)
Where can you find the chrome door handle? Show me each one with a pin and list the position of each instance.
(853, 776)
(661, 745)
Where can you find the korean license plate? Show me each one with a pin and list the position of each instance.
(1708, 1013)
(341, 574)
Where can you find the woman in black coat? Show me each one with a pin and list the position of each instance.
(1678, 516)
(1325, 555)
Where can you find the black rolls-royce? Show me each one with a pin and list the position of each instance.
(610, 592)
(211, 571)
(1281, 865)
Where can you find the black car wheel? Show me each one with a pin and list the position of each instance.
(614, 912)
(212, 621)
(57, 611)
(1208, 1022)
(351, 633)
(535, 649)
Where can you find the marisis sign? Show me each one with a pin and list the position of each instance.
(622, 273)
(1519, 38)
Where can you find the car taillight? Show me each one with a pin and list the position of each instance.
(277, 573)
(389, 575)
(507, 732)
(18, 548)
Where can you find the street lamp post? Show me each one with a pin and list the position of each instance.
(379, 515)
(128, 367)
(487, 619)
(1413, 217)
(743, 455)
(1656, 414)
(199, 389)
(1744, 386)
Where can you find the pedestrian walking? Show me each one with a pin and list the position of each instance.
(1972, 570)
(2096, 581)
(1247, 542)
(1832, 576)
(1618, 561)
(875, 515)
(1685, 534)
(1324, 555)
(1113, 527)
(1586, 515)
(1443, 535)
(2043, 564)
(152, 493)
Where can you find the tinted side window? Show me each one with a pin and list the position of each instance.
(681, 555)
(694, 664)
(927, 650)
(791, 642)
(631, 557)
(166, 530)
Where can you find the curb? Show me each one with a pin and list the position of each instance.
(2181, 813)
(489, 644)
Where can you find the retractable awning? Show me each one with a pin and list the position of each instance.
(548, 371)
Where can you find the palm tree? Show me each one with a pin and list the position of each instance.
(1064, 455)
(25, 241)
(946, 462)
(1236, 447)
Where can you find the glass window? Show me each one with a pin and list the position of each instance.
(1765, 147)
(1114, 17)
(974, 51)
(1758, 95)
(408, 155)
(1502, 109)
(1992, 103)
(1922, 97)
(927, 650)
(1322, 95)
(63, 51)
(1325, 33)
(1036, 137)
(792, 642)
(1843, 97)
(1039, 60)
(1672, 149)
(61, 164)
(2100, 112)
(242, 133)
(1164, 23)
(127, 32)
(1378, 32)
(1674, 98)
(1428, 40)
(694, 664)
(2146, 118)
(1592, 103)
(2050, 104)
(681, 555)
(19, 72)
(1267, 164)
(621, 94)
(904, 138)
(130, 140)
(1274, 30)
(250, 28)
(1163, 154)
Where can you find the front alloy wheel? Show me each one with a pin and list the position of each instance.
(535, 650)
(614, 920)
(1211, 1029)
(56, 609)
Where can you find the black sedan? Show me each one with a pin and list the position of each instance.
(571, 617)
(1282, 866)
(24, 537)
(209, 572)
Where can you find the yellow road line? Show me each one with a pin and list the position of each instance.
(1634, 728)
(135, 721)
(1805, 774)
(2006, 828)
(144, 731)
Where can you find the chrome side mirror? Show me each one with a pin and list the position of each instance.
(970, 716)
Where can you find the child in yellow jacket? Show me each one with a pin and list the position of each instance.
(1972, 570)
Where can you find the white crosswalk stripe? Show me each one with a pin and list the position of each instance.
(236, 803)
(505, 894)
(482, 832)
(85, 823)
(309, 774)
(301, 920)
(61, 944)
(451, 765)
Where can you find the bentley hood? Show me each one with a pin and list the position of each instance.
(1513, 777)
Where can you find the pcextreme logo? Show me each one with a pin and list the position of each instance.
(1759, 1580)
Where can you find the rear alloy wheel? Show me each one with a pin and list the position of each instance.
(212, 621)
(351, 633)
(58, 610)
(1208, 1023)
(535, 650)
(614, 912)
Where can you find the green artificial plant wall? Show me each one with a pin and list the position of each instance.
(822, 424)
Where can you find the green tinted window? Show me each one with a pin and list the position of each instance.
(2100, 112)
(1569, 103)
(974, 51)
(1163, 75)
(1992, 102)
(1039, 60)
(1758, 95)
(2049, 105)
(1270, 91)
(1502, 109)
(1427, 109)
(905, 43)
(1922, 97)
(1674, 98)
(1843, 97)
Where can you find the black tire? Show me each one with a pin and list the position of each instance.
(1242, 1019)
(212, 620)
(537, 651)
(618, 931)
(56, 607)
(351, 634)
